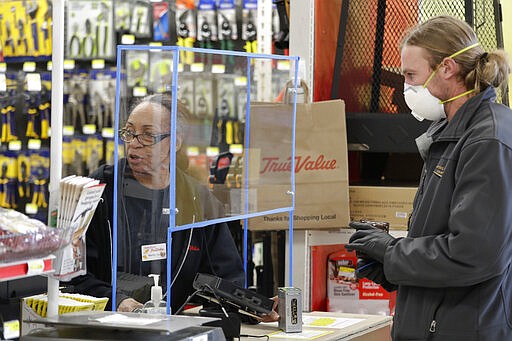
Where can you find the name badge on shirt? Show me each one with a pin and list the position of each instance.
(154, 251)
(439, 171)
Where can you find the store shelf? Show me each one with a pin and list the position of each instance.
(26, 268)
(384, 133)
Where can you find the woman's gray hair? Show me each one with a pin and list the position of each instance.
(182, 118)
(165, 101)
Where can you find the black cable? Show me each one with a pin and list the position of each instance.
(255, 336)
(127, 258)
(184, 259)
(217, 298)
(180, 309)
(219, 301)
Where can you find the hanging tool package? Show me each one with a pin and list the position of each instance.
(90, 31)
(24, 28)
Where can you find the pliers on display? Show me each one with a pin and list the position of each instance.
(251, 44)
(8, 124)
(9, 41)
(206, 40)
(22, 38)
(83, 46)
(44, 113)
(39, 196)
(184, 38)
(32, 12)
(23, 179)
(226, 43)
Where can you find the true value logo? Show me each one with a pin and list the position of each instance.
(308, 163)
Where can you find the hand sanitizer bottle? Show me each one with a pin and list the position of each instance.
(155, 305)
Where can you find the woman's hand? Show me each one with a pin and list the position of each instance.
(273, 316)
(129, 305)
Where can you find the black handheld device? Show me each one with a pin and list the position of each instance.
(226, 292)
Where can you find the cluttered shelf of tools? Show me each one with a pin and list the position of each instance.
(42, 65)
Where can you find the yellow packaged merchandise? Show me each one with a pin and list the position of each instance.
(68, 303)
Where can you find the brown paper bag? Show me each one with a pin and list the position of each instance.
(321, 168)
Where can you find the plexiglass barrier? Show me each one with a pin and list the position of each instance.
(194, 124)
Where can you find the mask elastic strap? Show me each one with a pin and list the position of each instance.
(457, 97)
(450, 56)
(463, 50)
(431, 76)
(466, 92)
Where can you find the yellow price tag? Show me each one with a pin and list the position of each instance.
(30, 208)
(241, 81)
(283, 65)
(236, 148)
(29, 66)
(98, 64)
(197, 67)
(69, 64)
(107, 132)
(346, 269)
(35, 267)
(11, 329)
(128, 39)
(68, 130)
(212, 151)
(89, 129)
(192, 151)
(34, 144)
(218, 68)
(140, 91)
(15, 145)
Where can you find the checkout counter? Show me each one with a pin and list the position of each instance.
(327, 326)
(320, 326)
(107, 325)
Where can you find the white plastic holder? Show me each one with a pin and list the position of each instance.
(56, 137)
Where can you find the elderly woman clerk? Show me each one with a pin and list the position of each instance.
(143, 196)
(453, 271)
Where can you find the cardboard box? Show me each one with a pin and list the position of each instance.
(382, 203)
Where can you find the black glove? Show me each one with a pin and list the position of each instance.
(369, 241)
(371, 269)
(374, 271)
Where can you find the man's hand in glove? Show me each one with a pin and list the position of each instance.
(374, 271)
(369, 241)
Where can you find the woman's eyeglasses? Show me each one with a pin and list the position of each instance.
(145, 139)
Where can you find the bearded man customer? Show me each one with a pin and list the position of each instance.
(453, 270)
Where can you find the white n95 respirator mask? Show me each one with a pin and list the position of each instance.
(422, 103)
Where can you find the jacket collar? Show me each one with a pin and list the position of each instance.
(453, 130)
(458, 125)
(425, 140)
